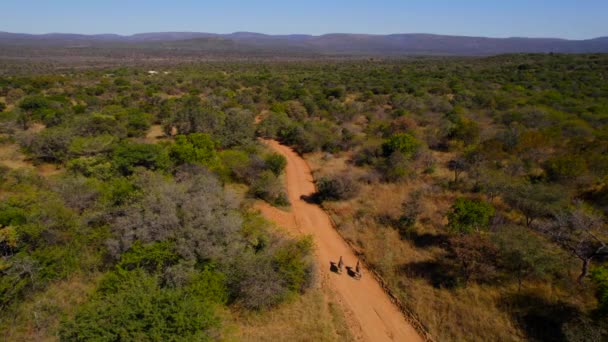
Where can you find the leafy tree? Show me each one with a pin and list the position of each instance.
(296, 111)
(464, 129)
(311, 136)
(128, 156)
(137, 123)
(401, 142)
(457, 165)
(97, 167)
(274, 125)
(99, 124)
(533, 200)
(237, 166)
(196, 117)
(51, 144)
(493, 183)
(474, 159)
(195, 148)
(524, 254)
(395, 167)
(31, 108)
(336, 92)
(566, 168)
(119, 191)
(467, 216)
(239, 128)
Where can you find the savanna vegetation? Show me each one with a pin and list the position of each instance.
(476, 187)
(159, 232)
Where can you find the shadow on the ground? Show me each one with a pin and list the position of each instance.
(539, 319)
(333, 267)
(312, 198)
(437, 273)
(352, 273)
(426, 240)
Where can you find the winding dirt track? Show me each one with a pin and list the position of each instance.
(366, 304)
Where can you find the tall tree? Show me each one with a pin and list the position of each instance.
(533, 200)
(582, 232)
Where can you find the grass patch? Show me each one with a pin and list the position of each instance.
(38, 318)
(313, 316)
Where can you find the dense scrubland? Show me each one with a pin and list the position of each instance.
(476, 187)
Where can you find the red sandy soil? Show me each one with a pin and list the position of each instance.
(369, 310)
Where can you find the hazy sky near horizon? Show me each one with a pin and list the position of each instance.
(501, 18)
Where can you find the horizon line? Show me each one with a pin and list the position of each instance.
(303, 34)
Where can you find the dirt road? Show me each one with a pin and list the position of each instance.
(366, 304)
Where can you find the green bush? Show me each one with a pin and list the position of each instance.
(11, 215)
(274, 125)
(599, 276)
(195, 148)
(566, 168)
(464, 130)
(51, 144)
(153, 257)
(238, 128)
(235, 166)
(396, 167)
(276, 163)
(138, 123)
(98, 124)
(294, 265)
(401, 142)
(133, 306)
(95, 166)
(118, 191)
(269, 188)
(128, 156)
(34, 103)
(42, 244)
(467, 216)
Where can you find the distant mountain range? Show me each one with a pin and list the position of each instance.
(193, 43)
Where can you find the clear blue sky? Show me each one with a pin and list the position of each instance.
(492, 18)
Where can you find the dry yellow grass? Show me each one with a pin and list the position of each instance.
(36, 127)
(323, 164)
(464, 314)
(11, 157)
(314, 316)
(471, 313)
(9, 106)
(38, 318)
(154, 134)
